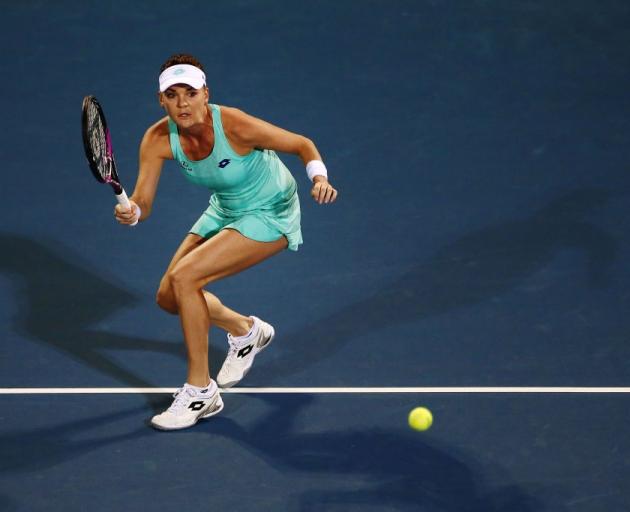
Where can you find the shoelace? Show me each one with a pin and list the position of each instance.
(232, 352)
(182, 397)
(231, 356)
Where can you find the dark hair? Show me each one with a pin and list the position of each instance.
(181, 58)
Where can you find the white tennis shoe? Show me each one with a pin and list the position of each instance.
(189, 406)
(242, 353)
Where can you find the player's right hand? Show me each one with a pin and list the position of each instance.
(127, 216)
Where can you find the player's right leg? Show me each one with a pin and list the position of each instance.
(191, 403)
(165, 298)
(220, 315)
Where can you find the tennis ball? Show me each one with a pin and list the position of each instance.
(420, 418)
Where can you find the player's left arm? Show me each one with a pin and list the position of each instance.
(253, 133)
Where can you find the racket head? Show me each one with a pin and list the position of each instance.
(97, 143)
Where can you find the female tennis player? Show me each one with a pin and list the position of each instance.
(253, 214)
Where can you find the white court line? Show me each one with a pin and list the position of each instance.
(320, 390)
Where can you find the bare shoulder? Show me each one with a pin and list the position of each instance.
(246, 132)
(156, 141)
(242, 129)
(234, 119)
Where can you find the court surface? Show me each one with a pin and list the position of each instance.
(475, 262)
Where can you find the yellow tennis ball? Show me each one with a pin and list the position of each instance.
(420, 418)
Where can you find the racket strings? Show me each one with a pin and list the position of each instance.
(98, 141)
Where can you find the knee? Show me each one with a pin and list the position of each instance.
(164, 297)
(181, 281)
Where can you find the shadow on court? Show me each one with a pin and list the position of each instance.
(30, 450)
(388, 468)
(7, 503)
(471, 270)
(60, 303)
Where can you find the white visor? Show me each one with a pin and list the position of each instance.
(182, 74)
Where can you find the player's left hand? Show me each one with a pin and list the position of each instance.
(323, 191)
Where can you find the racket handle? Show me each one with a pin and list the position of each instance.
(123, 201)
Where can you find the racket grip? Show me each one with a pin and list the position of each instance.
(123, 201)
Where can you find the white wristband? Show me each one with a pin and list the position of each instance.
(138, 213)
(316, 168)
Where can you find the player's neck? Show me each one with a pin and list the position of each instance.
(201, 129)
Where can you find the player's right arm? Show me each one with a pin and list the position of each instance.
(154, 149)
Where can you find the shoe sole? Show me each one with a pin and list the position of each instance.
(258, 351)
(214, 411)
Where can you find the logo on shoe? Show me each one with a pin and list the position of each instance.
(245, 350)
(196, 406)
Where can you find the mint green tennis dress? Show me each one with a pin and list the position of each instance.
(254, 194)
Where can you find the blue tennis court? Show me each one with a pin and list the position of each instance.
(474, 263)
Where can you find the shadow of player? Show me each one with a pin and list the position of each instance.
(372, 468)
(35, 449)
(471, 270)
(60, 303)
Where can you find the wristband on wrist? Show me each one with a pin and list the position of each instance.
(316, 168)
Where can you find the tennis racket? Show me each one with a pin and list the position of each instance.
(98, 149)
